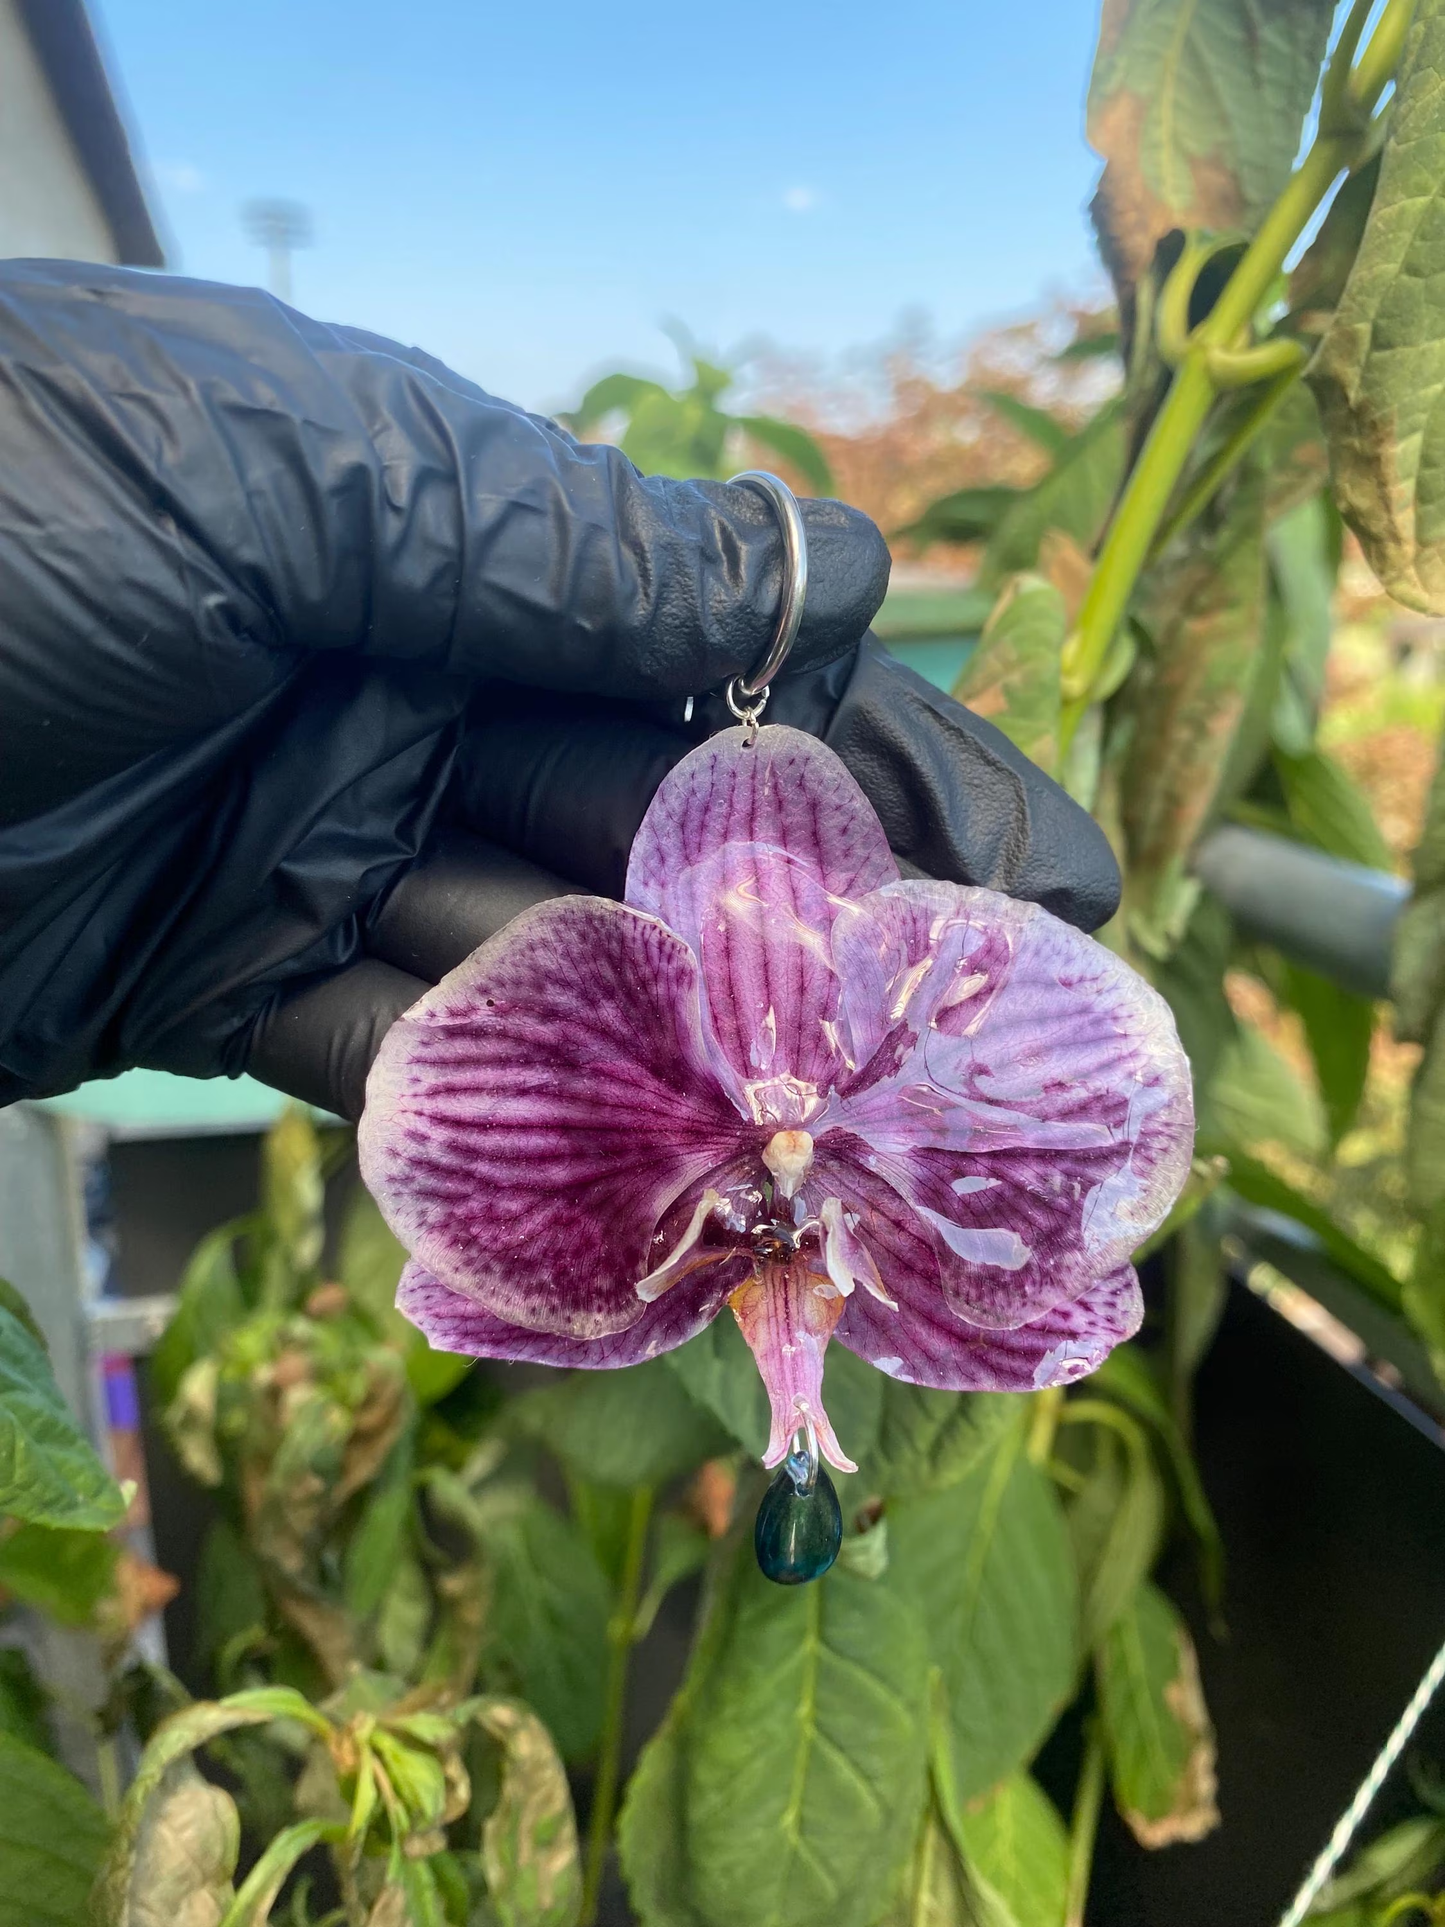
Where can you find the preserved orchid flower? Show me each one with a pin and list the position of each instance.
(922, 1120)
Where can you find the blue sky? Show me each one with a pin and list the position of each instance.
(527, 190)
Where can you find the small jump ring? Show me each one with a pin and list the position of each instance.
(747, 694)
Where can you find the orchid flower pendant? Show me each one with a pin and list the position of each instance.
(923, 1120)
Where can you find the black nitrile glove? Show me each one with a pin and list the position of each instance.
(279, 604)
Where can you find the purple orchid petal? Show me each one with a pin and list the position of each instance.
(927, 1344)
(531, 1119)
(1029, 1099)
(453, 1323)
(779, 788)
(761, 926)
(787, 1314)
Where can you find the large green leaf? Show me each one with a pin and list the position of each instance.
(720, 1373)
(651, 1829)
(1196, 107)
(638, 1426)
(929, 1439)
(1328, 808)
(805, 1753)
(49, 1472)
(1258, 1185)
(210, 1304)
(1256, 1097)
(796, 446)
(1381, 365)
(1155, 1723)
(1017, 1853)
(1012, 677)
(936, 1889)
(988, 1562)
(1115, 1520)
(1204, 607)
(1074, 497)
(1339, 1026)
(61, 1570)
(52, 1836)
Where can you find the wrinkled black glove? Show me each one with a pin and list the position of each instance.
(317, 664)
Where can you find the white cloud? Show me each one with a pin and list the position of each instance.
(182, 177)
(800, 200)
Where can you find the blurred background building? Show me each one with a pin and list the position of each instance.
(68, 182)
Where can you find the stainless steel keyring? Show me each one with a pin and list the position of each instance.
(746, 695)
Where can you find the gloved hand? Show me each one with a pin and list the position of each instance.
(290, 618)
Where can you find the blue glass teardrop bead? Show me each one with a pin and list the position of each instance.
(797, 1533)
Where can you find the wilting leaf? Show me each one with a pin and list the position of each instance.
(1017, 1853)
(637, 1426)
(1205, 610)
(49, 1472)
(1156, 1727)
(1012, 677)
(1197, 111)
(1074, 497)
(64, 1572)
(988, 1562)
(1329, 809)
(52, 1836)
(928, 1439)
(529, 1840)
(805, 1753)
(1379, 369)
(182, 1857)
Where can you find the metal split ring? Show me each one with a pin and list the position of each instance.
(746, 695)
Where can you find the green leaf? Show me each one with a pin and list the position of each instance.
(11, 1301)
(529, 1840)
(52, 1836)
(1379, 369)
(49, 1472)
(211, 1303)
(547, 1629)
(928, 1440)
(1115, 1520)
(796, 446)
(720, 1373)
(62, 1571)
(1156, 1727)
(651, 1829)
(1074, 497)
(382, 1534)
(1340, 1027)
(1407, 1856)
(1197, 112)
(636, 1426)
(613, 395)
(988, 1562)
(935, 1891)
(230, 1594)
(23, 1700)
(1257, 1098)
(1329, 809)
(1192, 979)
(966, 515)
(292, 1194)
(1017, 1854)
(1318, 282)
(1012, 677)
(806, 1751)
(1258, 1185)
(1037, 423)
(1204, 607)
(1302, 563)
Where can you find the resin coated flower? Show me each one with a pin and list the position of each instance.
(926, 1121)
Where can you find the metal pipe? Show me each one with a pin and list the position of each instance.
(1333, 917)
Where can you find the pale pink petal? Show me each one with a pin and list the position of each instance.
(787, 1314)
(530, 1120)
(782, 789)
(1029, 1098)
(926, 1344)
(453, 1323)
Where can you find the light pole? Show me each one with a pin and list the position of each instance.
(279, 227)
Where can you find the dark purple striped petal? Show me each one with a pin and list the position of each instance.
(531, 1119)
(781, 788)
(1029, 1098)
(927, 1344)
(454, 1323)
(761, 925)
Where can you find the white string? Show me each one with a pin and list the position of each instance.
(1349, 1821)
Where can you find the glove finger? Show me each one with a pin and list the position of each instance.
(458, 894)
(318, 1043)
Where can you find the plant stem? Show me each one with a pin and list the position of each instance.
(621, 1631)
(1044, 1423)
(1084, 1827)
